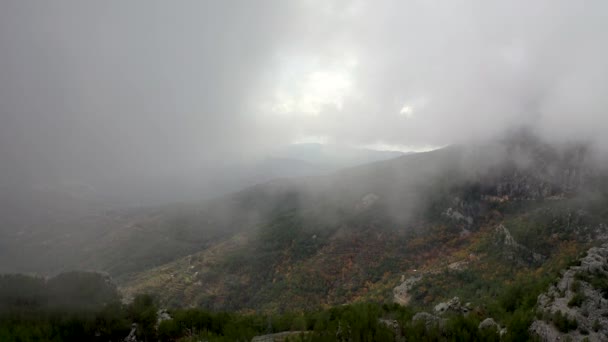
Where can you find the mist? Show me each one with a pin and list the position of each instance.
(350, 170)
(128, 96)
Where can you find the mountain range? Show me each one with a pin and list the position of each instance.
(46, 229)
(490, 225)
(518, 204)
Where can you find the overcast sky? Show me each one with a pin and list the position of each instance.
(92, 89)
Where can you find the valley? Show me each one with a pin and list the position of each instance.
(486, 228)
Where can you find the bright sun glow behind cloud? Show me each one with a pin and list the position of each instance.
(306, 89)
(411, 108)
(407, 111)
(381, 146)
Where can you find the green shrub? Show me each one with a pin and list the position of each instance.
(576, 300)
(563, 322)
(596, 325)
(597, 280)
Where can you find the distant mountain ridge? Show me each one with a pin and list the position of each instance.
(354, 234)
(70, 226)
(334, 155)
(517, 206)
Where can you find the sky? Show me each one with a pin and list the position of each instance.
(107, 90)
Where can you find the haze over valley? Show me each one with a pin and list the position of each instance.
(304, 170)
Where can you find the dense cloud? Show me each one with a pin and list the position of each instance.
(113, 90)
(468, 69)
(129, 87)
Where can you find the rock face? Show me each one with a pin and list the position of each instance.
(452, 305)
(489, 323)
(400, 293)
(429, 320)
(536, 170)
(278, 337)
(457, 216)
(576, 307)
(458, 265)
(367, 201)
(162, 315)
(132, 337)
(395, 327)
(512, 250)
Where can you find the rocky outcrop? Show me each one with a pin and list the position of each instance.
(429, 320)
(512, 250)
(395, 328)
(278, 337)
(453, 305)
(436, 320)
(456, 216)
(132, 337)
(576, 307)
(458, 265)
(489, 324)
(367, 201)
(161, 316)
(536, 170)
(401, 292)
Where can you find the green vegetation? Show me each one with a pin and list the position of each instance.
(85, 306)
(112, 321)
(596, 325)
(563, 322)
(292, 274)
(74, 306)
(579, 297)
(292, 264)
(598, 281)
(576, 300)
(78, 291)
(285, 262)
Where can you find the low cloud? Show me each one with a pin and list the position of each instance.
(113, 90)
